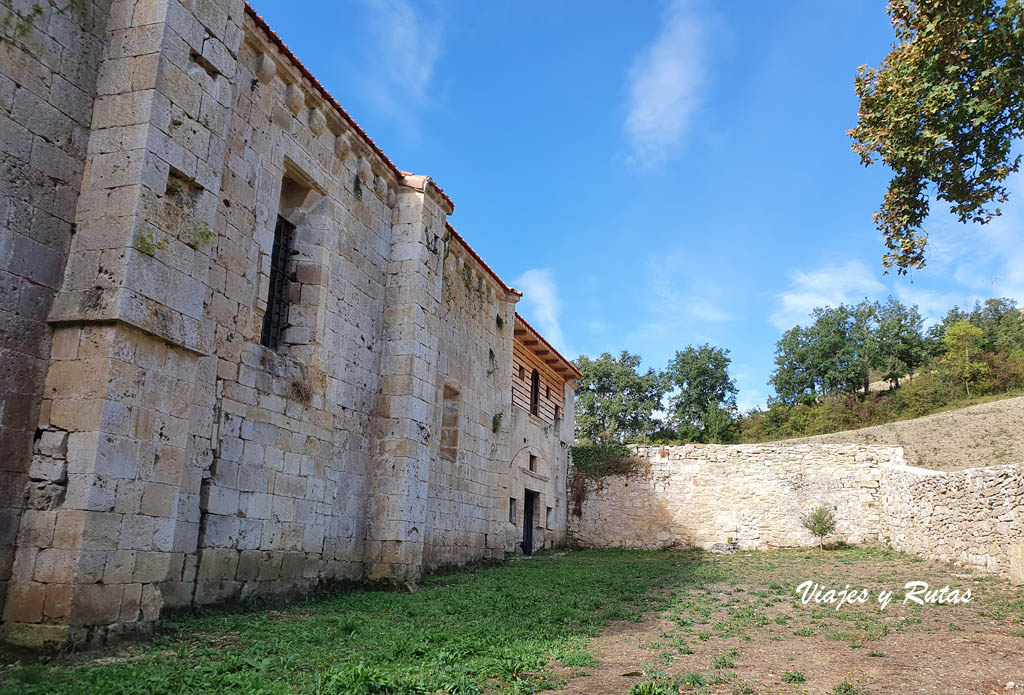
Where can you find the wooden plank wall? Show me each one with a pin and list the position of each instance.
(525, 357)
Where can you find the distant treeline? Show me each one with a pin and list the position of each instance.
(821, 378)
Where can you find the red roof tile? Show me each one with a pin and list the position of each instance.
(483, 264)
(572, 367)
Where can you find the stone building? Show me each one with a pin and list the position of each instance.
(240, 351)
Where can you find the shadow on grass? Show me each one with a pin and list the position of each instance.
(492, 628)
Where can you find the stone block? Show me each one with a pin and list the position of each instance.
(1016, 564)
(58, 601)
(120, 567)
(159, 500)
(34, 636)
(151, 567)
(56, 566)
(96, 604)
(25, 602)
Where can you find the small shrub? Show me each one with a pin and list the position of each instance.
(793, 677)
(578, 660)
(821, 522)
(848, 688)
(147, 243)
(653, 688)
(302, 390)
(727, 660)
(693, 679)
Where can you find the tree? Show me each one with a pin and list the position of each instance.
(614, 401)
(1001, 323)
(963, 341)
(899, 346)
(820, 522)
(794, 378)
(833, 355)
(702, 400)
(935, 341)
(943, 111)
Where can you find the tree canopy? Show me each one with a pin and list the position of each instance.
(702, 398)
(614, 401)
(943, 111)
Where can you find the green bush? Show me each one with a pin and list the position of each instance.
(597, 460)
(821, 522)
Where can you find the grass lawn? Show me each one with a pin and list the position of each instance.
(582, 622)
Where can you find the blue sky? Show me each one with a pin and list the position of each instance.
(651, 175)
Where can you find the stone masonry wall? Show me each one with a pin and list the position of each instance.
(752, 496)
(48, 70)
(177, 461)
(463, 492)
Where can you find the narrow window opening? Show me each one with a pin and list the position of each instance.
(535, 393)
(522, 372)
(276, 317)
(533, 463)
(450, 424)
(512, 510)
(547, 392)
(549, 517)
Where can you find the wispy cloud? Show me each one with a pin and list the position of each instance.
(541, 305)
(676, 291)
(986, 258)
(665, 84)
(827, 286)
(403, 47)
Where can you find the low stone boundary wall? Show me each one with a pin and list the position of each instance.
(751, 496)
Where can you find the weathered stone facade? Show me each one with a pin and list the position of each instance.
(751, 497)
(157, 454)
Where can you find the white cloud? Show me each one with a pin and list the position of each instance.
(541, 306)
(673, 287)
(987, 258)
(827, 286)
(665, 84)
(403, 46)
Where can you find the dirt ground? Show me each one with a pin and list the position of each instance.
(754, 635)
(987, 434)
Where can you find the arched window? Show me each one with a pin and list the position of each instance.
(535, 393)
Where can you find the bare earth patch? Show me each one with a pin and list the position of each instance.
(988, 434)
(752, 634)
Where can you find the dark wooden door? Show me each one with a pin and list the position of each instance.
(529, 503)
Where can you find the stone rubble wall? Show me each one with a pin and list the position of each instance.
(972, 517)
(752, 497)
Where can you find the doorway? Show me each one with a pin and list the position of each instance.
(529, 520)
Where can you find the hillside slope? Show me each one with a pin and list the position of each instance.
(987, 434)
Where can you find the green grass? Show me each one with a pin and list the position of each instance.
(494, 627)
(521, 626)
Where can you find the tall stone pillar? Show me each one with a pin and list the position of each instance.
(397, 508)
(124, 427)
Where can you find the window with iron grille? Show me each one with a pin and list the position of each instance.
(276, 318)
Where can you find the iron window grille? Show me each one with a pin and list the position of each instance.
(275, 320)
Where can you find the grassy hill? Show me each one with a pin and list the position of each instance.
(986, 434)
